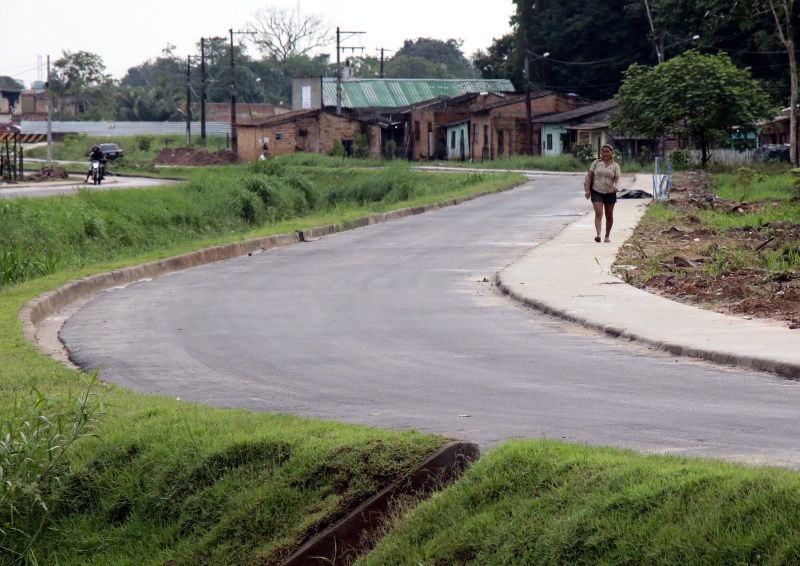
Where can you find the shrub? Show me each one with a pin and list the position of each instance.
(583, 152)
(390, 149)
(338, 149)
(681, 159)
(34, 439)
(361, 146)
(144, 142)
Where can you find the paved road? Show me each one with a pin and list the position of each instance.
(74, 184)
(393, 325)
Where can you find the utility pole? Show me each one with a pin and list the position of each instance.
(339, 48)
(381, 75)
(234, 137)
(203, 90)
(528, 114)
(49, 114)
(189, 98)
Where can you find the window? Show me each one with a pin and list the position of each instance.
(549, 142)
(453, 139)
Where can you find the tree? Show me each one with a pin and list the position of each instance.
(431, 58)
(497, 62)
(81, 77)
(784, 13)
(10, 83)
(282, 34)
(695, 95)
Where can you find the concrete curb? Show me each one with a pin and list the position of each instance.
(345, 540)
(51, 302)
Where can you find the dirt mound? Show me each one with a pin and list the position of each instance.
(723, 270)
(47, 174)
(192, 156)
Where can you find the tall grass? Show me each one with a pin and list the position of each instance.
(40, 236)
(753, 186)
(545, 503)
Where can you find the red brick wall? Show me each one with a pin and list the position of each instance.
(322, 130)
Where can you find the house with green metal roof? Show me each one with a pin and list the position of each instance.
(316, 92)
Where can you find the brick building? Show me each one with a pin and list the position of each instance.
(245, 111)
(306, 130)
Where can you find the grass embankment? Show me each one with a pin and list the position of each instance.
(164, 479)
(550, 503)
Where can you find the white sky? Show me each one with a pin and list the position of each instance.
(125, 34)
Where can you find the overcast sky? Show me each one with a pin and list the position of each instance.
(125, 34)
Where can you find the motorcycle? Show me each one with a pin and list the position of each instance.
(97, 172)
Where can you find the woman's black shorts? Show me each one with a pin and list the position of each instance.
(605, 198)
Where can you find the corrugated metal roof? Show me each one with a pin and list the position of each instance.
(580, 112)
(397, 93)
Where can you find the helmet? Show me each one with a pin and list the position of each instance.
(96, 148)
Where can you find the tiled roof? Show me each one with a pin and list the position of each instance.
(396, 93)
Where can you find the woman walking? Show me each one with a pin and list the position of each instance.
(602, 184)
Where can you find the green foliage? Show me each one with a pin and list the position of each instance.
(784, 259)
(543, 502)
(337, 150)
(693, 95)
(81, 76)
(390, 149)
(361, 146)
(584, 153)
(755, 185)
(681, 159)
(34, 440)
(144, 142)
(10, 83)
(430, 58)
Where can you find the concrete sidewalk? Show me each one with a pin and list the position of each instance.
(570, 277)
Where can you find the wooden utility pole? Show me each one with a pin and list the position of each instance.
(234, 136)
(782, 11)
(49, 114)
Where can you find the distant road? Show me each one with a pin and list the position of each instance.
(74, 184)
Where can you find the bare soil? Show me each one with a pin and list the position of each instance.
(193, 156)
(686, 261)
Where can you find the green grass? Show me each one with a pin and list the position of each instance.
(214, 205)
(548, 503)
(76, 147)
(165, 479)
(564, 163)
(755, 188)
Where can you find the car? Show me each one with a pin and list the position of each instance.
(772, 152)
(111, 151)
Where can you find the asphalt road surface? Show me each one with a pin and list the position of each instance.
(400, 326)
(73, 185)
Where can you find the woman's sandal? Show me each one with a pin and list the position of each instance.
(607, 240)
(597, 238)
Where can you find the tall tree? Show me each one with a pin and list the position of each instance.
(431, 58)
(694, 95)
(81, 77)
(785, 15)
(282, 33)
(10, 83)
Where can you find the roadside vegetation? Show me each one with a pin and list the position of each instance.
(92, 472)
(546, 502)
(730, 242)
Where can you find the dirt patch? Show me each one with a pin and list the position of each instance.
(192, 156)
(724, 270)
(46, 174)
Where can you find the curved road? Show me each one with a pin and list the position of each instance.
(399, 325)
(111, 183)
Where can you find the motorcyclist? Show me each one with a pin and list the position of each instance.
(96, 155)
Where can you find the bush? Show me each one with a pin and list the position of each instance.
(361, 146)
(681, 159)
(338, 149)
(34, 439)
(583, 153)
(144, 142)
(390, 149)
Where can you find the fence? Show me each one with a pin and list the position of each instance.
(99, 129)
(727, 156)
(662, 179)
